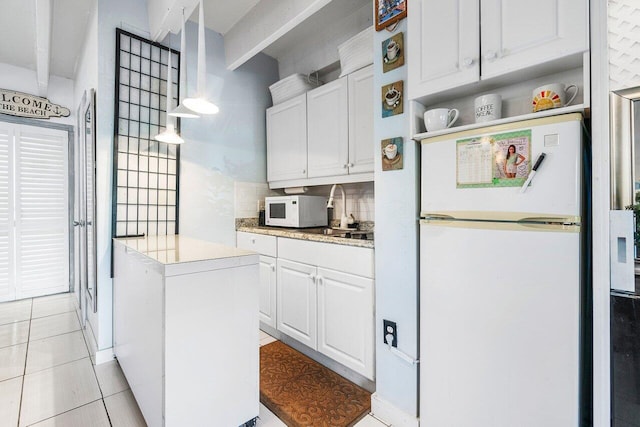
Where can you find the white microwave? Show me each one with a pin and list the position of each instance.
(295, 211)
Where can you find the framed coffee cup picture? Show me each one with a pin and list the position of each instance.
(392, 99)
(389, 12)
(392, 158)
(393, 52)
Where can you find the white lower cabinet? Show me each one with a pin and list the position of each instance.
(297, 301)
(345, 319)
(268, 290)
(326, 300)
(266, 247)
(320, 294)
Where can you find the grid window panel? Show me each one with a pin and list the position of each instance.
(146, 171)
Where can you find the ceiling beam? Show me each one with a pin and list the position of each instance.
(165, 16)
(44, 15)
(264, 24)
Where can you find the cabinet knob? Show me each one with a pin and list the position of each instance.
(312, 277)
(491, 56)
(346, 165)
(253, 240)
(467, 62)
(320, 280)
(273, 267)
(350, 165)
(304, 171)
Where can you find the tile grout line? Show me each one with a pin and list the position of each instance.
(93, 367)
(26, 355)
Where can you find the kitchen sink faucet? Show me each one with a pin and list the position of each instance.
(343, 216)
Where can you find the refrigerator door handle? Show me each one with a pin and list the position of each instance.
(437, 217)
(550, 220)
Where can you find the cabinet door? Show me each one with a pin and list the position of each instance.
(521, 33)
(444, 45)
(268, 290)
(328, 127)
(345, 319)
(296, 313)
(287, 140)
(361, 146)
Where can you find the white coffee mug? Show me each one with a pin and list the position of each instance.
(390, 151)
(392, 50)
(440, 118)
(553, 95)
(488, 107)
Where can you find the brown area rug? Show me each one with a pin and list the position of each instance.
(303, 393)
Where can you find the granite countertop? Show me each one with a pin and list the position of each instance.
(249, 226)
(176, 249)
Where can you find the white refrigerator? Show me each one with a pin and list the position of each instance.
(500, 276)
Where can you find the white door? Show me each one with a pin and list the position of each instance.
(519, 33)
(361, 145)
(297, 301)
(499, 326)
(444, 45)
(287, 140)
(328, 127)
(34, 211)
(268, 290)
(346, 319)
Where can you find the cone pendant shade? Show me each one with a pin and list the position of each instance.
(169, 135)
(199, 103)
(182, 111)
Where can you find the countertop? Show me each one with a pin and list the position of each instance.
(300, 233)
(176, 249)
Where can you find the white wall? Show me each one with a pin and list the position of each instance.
(132, 16)
(396, 213)
(225, 148)
(25, 80)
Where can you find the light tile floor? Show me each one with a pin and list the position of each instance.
(47, 378)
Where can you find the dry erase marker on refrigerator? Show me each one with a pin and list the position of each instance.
(533, 172)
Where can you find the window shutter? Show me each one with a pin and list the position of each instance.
(42, 211)
(6, 215)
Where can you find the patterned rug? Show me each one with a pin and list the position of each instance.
(303, 393)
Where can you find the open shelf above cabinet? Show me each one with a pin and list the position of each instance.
(580, 108)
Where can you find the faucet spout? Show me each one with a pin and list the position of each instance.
(344, 221)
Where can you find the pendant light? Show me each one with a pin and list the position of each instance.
(169, 135)
(199, 103)
(182, 111)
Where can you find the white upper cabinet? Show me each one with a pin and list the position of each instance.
(328, 126)
(521, 33)
(361, 146)
(459, 42)
(287, 140)
(444, 45)
(331, 143)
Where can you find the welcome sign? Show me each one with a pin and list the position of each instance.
(25, 105)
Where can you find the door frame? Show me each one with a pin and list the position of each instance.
(70, 179)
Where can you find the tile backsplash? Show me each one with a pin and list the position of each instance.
(248, 195)
(360, 199)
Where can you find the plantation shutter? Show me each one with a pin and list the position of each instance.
(42, 211)
(7, 290)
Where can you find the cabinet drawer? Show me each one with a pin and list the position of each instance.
(263, 244)
(348, 259)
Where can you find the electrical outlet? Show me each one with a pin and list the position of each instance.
(390, 328)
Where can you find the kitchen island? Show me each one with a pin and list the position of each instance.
(186, 329)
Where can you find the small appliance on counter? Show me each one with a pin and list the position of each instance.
(296, 211)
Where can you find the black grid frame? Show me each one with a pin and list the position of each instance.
(145, 171)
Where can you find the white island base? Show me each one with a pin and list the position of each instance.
(186, 329)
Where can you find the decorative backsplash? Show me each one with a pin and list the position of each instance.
(360, 199)
(624, 44)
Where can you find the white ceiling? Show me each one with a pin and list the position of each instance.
(70, 19)
(69, 24)
(18, 33)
